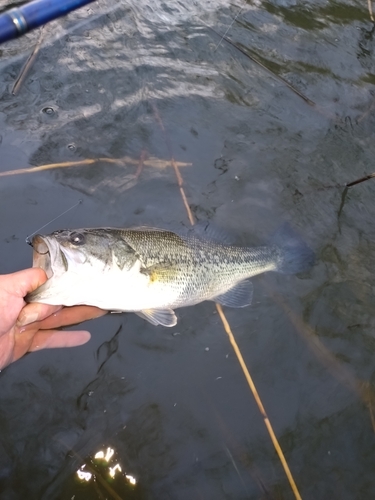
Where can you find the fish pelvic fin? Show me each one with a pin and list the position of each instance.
(241, 295)
(294, 255)
(164, 317)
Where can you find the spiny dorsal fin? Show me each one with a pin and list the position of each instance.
(210, 232)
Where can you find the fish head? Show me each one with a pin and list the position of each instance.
(65, 250)
(75, 260)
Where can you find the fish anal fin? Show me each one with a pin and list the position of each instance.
(241, 295)
(164, 317)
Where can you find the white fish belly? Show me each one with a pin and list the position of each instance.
(111, 289)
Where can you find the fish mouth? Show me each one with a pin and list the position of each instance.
(47, 254)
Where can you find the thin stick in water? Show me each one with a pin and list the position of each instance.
(174, 164)
(142, 158)
(362, 179)
(28, 64)
(370, 10)
(259, 403)
(151, 162)
(256, 61)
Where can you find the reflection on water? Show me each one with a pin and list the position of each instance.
(147, 81)
(99, 471)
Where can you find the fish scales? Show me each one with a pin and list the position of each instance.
(189, 262)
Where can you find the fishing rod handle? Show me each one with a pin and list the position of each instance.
(18, 21)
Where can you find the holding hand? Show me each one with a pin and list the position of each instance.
(31, 327)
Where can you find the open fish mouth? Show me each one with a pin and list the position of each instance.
(46, 253)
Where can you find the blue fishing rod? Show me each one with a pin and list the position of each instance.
(18, 21)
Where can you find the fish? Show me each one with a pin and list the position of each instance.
(153, 271)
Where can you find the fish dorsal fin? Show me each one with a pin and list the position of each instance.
(208, 231)
(164, 317)
(241, 295)
(149, 228)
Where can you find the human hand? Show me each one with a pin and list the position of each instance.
(31, 327)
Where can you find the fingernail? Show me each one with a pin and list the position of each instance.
(26, 319)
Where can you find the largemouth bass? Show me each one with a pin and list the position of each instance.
(152, 271)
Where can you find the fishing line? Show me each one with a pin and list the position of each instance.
(53, 220)
(229, 27)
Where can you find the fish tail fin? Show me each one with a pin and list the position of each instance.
(294, 255)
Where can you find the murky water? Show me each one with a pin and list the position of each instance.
(173, 404)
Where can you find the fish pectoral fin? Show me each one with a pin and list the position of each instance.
(164, 317)
(241, 295)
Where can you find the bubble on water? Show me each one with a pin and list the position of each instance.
(48, 110)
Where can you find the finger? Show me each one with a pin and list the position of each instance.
(51, 339)
(6, 349)
(22, 341)
(71, 316)
(35, 312)
(25, 281)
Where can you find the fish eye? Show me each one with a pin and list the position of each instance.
(77, 238)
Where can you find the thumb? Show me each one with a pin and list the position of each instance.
(23, 282)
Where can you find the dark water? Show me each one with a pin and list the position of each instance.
(173, 404)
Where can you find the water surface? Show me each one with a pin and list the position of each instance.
(173, 403)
